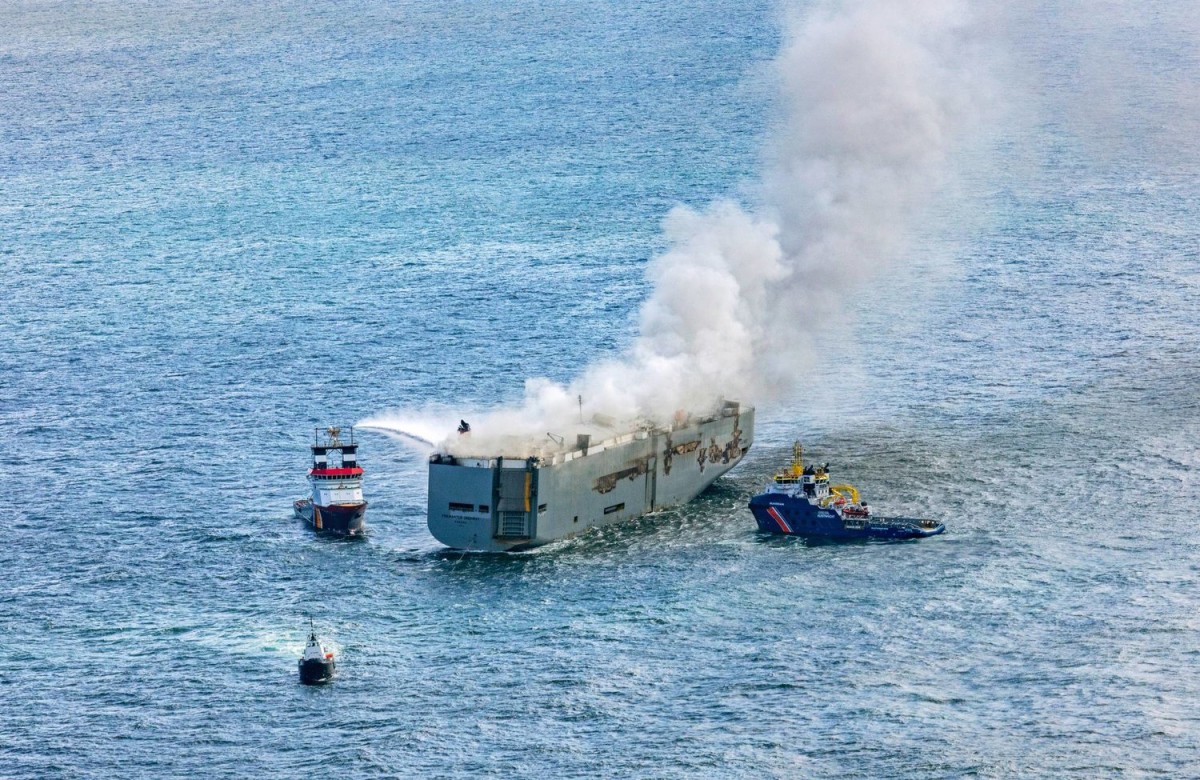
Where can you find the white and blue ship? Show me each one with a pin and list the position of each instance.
(800, 501)
(336, 504)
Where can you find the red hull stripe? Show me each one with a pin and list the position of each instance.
(778, 518)
(354, 472)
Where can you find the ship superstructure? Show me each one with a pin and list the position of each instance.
(336, 504)
(500, 503)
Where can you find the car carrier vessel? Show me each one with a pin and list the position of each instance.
(506, 502)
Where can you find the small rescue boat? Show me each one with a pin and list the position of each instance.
(316, 665)
(799, 501)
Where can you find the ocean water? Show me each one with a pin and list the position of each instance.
(221, 227)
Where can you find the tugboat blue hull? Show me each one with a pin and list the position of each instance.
(778, 513)
(347, 520)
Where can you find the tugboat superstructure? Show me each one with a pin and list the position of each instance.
(336, 504)
(800, 501)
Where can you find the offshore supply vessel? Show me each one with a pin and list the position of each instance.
(336, 504)
(799, 501)
(503, 503)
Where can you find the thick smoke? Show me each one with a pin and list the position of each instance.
(872, 97)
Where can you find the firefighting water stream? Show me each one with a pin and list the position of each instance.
(953, 248)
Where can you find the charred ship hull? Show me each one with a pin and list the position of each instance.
(500, 504)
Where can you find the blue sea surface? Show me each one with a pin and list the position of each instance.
(222, 226)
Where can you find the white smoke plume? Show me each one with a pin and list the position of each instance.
(873, 95)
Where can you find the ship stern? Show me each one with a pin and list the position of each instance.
(481, 505)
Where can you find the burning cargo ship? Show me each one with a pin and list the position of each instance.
(501, 502)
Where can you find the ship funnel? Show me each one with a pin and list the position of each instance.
(582, 441)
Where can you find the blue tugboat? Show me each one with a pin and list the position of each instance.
(336, 504)
(799, 501)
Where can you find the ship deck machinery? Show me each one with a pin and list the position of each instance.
(499, 504)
